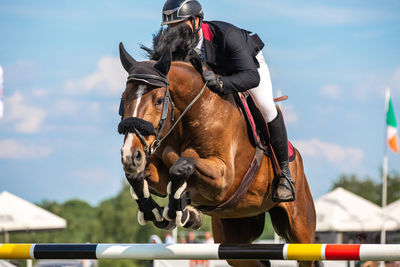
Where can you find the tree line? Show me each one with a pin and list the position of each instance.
(369, 188)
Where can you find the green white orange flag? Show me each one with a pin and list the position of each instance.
(391, 127)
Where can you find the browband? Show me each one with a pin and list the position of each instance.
(148, 76)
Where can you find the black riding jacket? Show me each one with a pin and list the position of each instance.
(230, 52)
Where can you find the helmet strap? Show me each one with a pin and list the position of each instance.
(193, 22)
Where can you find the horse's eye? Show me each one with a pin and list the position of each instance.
(159, 101)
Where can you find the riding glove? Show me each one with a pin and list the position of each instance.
(213, 82)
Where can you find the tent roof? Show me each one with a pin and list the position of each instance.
(4, 263)
(17, 214)
(392, 215)
(343, 211)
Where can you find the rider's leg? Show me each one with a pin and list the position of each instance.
(282, 188)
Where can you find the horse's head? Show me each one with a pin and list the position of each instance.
(144, 108)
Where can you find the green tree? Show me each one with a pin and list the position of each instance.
(370, 189)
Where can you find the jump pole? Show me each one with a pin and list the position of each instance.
(301, 252)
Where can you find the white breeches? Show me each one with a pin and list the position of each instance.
(263, 92)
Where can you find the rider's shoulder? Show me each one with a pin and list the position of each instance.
(223, 25)
(222, 28)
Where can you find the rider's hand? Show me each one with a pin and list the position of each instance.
(213, 82)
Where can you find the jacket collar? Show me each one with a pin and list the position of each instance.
(208, 44)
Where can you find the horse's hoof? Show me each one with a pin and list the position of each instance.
(182, 217)
(195, 220)
(166, 225)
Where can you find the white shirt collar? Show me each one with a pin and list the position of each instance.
(200, 43)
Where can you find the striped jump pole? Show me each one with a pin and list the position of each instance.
(301, 252)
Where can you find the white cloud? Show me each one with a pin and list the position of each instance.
(29, 70)
(11, 149)
(289, 114)
(346, 158)
(374, 85)
(395, 80)
(26, 119)
(76, 108)
(320, 14)
(308, 54)
(331, 91)
(39, 92)
(108, 78)
(91, 175)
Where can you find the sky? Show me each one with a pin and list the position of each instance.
(63, 81)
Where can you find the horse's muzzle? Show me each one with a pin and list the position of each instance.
(133, 158)
(134, 163)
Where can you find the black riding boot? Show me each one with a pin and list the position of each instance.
(282, 186)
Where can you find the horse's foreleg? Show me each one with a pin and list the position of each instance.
(179, 208)
(210, 181)
(149, 210)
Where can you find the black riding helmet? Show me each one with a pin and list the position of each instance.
(179, 10)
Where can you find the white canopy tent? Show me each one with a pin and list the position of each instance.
(4, 263)
(343, 211)
(392, 216)
(17, 214)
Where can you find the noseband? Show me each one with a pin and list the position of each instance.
(145, 128)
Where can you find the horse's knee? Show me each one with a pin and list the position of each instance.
(182, 169)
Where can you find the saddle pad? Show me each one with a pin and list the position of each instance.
(257, 127)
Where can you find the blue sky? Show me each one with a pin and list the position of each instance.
(63, 81)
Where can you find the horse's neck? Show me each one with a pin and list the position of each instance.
(186, 84)
(209, 108)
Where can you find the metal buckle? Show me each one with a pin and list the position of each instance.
(153, 146)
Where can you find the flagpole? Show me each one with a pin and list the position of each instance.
(384, 173)
(385, 170)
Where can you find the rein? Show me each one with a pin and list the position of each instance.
(180, 117)
(149, 150)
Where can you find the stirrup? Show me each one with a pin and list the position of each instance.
(289, 186)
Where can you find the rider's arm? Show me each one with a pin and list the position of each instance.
(245, 75)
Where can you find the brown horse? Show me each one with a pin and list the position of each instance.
(204, 150)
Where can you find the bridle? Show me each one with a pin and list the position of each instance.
(146, 78)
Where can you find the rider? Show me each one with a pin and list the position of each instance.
(235, 56)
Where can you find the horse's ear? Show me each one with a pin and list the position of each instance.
(127, 60)
(164, 63)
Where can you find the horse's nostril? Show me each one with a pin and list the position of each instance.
(137, 157)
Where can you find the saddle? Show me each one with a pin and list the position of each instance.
(257, 126)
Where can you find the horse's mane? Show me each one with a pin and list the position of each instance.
(180, 40)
